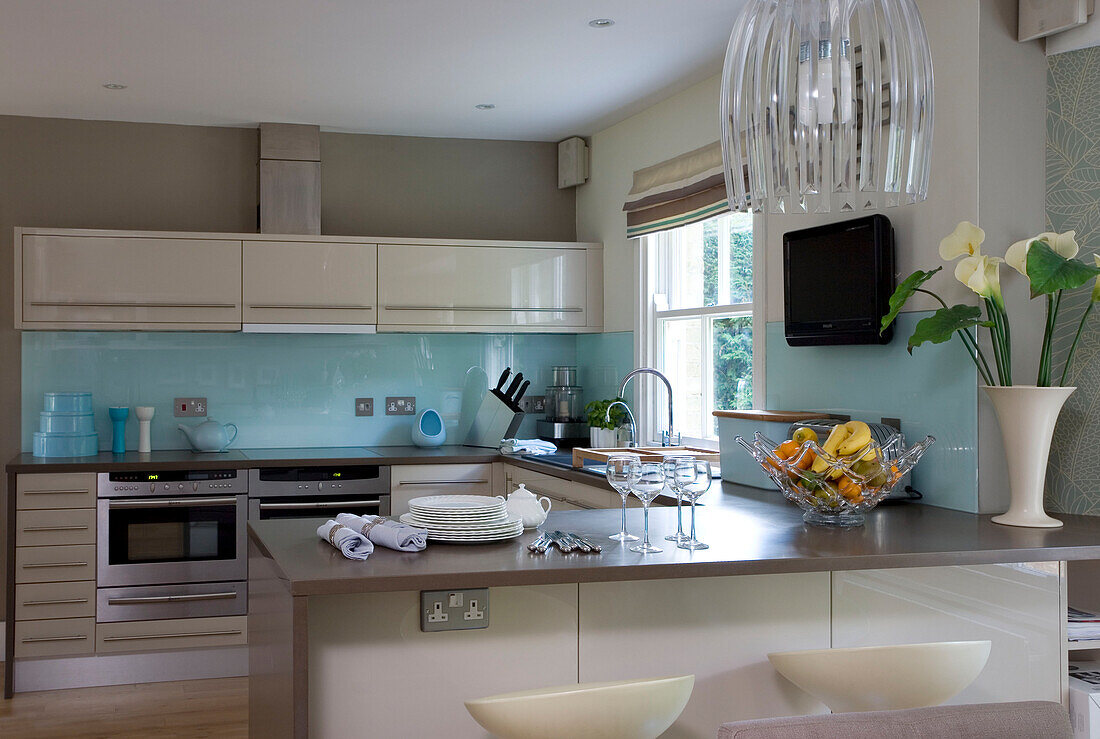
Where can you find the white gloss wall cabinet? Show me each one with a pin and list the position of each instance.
(306, 282)
(86, 279)
(514, 288)
(122, 282)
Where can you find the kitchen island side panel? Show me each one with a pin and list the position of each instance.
(373, 672)
(719, 629)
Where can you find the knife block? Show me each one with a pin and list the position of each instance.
(494, 421)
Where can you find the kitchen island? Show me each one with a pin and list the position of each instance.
(332, 640)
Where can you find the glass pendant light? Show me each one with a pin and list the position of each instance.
(827, 106)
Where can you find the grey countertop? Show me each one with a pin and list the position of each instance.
(750, 532)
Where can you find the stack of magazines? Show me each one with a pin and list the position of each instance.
(1083, 625)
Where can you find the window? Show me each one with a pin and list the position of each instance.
(697, 318)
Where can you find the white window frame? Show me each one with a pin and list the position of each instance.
(649, 396)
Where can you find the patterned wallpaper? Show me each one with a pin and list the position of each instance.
(1073, 202)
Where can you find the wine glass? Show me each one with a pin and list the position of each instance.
(679, 469)
(693, 491)
(647, 486)
(622, 472)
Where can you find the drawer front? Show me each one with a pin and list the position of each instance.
(55, 564)
(37, 601)
(566, 494)
(61, 526)
(175, 633)
(151, 602)
(415, 481)
(61, 490)
(61, 636)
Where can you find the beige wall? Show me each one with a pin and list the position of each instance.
(443, 188)
(101, 174)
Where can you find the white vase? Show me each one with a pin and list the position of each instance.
(1027, 415)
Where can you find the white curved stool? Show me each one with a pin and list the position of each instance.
(627, 709)
(884, 678)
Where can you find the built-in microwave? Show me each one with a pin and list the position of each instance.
(181, 526)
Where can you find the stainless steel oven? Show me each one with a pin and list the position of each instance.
(318, 492)
(179, 526)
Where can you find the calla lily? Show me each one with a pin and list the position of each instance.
(965, 240)
(982, 275)
(1065, 244)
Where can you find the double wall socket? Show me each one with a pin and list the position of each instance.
(453, 610)
(401, 406)
(533, 404)
(189, 407)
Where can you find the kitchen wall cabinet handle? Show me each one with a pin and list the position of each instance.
(57, 602)
(313, 306)
(55, 492)
(443, 482)
(484, 308)
(135, 637)
(126, 304)
(33, 639)
(170, 502)
(170, 598)
(40, 565)
(316, 504)
(56, 528)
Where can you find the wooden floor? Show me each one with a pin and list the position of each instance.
(189, 708)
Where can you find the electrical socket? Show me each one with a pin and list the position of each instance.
(189, 407)
(533, 404)
(364, 406)
(401, 406)
(453, 610)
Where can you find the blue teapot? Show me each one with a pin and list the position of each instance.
(209, 436)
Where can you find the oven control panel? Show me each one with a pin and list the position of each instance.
(171, 482)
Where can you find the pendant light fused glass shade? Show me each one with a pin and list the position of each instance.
(827, 106)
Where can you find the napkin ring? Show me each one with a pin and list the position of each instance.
(365, 531)
(332, 534)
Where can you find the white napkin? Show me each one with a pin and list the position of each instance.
(527, 446)
(352, 544)
(390, 534)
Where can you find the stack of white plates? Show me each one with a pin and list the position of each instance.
(463, 518)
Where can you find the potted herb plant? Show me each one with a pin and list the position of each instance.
(1027, 413)
(602, 432)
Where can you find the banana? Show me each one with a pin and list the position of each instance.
(837, 436)
(859, 435)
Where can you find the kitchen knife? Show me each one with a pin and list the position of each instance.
(503, 379)
(519, 393)
(511, 392)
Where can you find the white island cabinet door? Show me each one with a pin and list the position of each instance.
(299, 282)
(119, 282)
(482, 287)
(719, 629)
(1017, 607)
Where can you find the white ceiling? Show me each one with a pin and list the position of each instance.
(414, 67)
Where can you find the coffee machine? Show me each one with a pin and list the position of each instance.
(565, 423)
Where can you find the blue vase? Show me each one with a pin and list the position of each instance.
(118, 427)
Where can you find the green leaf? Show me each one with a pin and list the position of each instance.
(905, 291)
(1050, 272)
(942, 325)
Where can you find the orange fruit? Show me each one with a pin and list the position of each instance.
(787, 449)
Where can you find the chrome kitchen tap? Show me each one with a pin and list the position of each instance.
(667, 438)
(633, 426)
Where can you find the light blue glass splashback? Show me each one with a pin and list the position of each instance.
(603, 360)
(281, 390)
(934, 391)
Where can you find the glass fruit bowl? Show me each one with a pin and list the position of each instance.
(835, 489)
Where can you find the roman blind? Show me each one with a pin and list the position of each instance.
(676, 192)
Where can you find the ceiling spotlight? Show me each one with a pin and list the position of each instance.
(114, 86)
(601, 23)
(485, 106)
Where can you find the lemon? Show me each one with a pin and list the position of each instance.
(804, 434)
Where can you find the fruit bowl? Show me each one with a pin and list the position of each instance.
(834, 488)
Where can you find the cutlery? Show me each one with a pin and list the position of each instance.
(561, 541)
(577, 543)
(516, 382)
(519, 393)
(540, 544)
(595, 547)
(503, 378)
